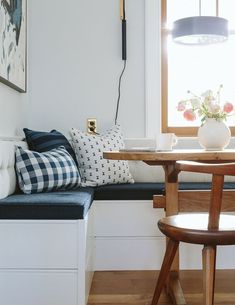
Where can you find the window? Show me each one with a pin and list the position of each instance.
(195, 68)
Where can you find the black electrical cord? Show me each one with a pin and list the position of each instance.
(119, 91)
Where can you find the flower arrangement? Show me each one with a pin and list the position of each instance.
(207, 105)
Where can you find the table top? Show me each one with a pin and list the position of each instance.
(173, 155)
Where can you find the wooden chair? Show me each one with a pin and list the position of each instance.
(209, 229)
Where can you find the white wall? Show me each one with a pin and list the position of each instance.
(75, 60)
(12, 113)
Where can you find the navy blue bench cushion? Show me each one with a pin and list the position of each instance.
(75, 204)
(202, 185)
(72, 204)
(145, 191)
(135, 191)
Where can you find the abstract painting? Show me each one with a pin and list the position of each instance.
(13, 36)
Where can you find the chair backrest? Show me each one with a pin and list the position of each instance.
(218, 172)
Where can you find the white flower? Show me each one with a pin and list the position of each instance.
(207, 93)
(200, 112)
(214, 108)
(195, 102)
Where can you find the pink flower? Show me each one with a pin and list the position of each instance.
(189, 115)
(228, 107)
(181, 106)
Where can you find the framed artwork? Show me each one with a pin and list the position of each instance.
(13, 38)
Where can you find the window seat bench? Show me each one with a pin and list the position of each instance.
(49, 237)
(125, 225)
(52, 242)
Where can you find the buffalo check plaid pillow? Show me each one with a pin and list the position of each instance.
(47, 171)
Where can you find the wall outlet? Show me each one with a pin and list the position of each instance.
(91, 126)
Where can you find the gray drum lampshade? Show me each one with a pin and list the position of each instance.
(199, 30)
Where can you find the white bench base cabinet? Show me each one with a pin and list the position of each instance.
(45, 262)
(127, 238)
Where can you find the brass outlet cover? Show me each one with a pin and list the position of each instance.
(92, 125)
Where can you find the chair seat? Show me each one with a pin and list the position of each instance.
(192, 228)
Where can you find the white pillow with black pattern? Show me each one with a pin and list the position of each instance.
(46, 171)
(94, 169)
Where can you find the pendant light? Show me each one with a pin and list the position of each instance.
(200, 30)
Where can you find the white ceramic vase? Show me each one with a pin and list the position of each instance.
(214, 135)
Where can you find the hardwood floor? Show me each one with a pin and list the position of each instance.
(136, 287)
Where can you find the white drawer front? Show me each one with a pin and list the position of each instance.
(129, 253)
(38, 244)
(38, 288)
(126, 218)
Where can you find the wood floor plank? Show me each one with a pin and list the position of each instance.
(136, 287)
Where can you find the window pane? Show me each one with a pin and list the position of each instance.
(208, 7)
(226, 10)
(199, 68)
(181, 8)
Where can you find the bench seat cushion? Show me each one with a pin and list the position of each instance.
(203, 185)
(75, 204)
(135, 191)
(146, 190)
(72, 204)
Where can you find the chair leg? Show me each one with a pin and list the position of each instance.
(209, 261)
(171, 249)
